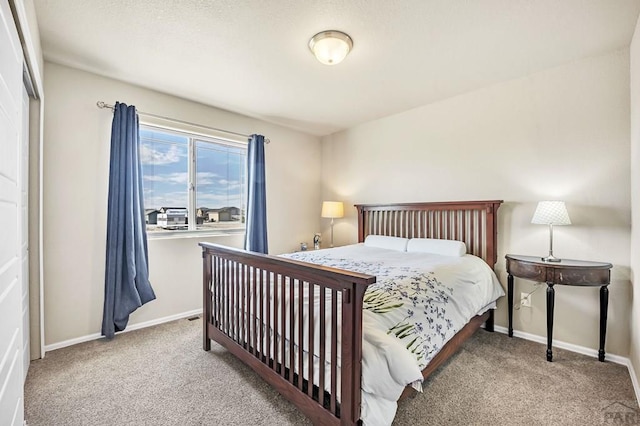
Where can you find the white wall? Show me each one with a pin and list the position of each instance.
(76, 165)
(634, 353)
(558, 134)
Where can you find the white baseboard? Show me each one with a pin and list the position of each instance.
(634, 380)
(131, 327)
(617, 359)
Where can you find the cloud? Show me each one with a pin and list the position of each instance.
(203, 178)
(179, 199)
(149, 155)
(169, 177)
(163, 190)
(219, 200)
(206, 178)
(167, 199)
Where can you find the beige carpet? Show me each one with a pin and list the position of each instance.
(161, 376)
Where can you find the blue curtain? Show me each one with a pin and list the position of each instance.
(256, 236)
(127, 285)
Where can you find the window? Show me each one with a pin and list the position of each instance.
(192, 182)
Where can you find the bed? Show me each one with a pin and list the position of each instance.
(268, 310)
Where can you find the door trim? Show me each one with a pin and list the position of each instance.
(32, 53)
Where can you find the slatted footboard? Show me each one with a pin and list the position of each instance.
(290, 322)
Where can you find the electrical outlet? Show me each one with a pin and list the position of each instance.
(525, 300)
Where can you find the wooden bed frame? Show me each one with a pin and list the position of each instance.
(236, 283)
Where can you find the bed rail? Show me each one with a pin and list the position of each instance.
(262, 308)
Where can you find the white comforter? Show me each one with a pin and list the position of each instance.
(419, 302)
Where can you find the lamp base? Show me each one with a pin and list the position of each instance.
(551, 258)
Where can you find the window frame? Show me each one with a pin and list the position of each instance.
(193, 137)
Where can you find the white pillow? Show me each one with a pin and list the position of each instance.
(385, 242)
(443, 247)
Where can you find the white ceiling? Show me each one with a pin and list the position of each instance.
(252, 57)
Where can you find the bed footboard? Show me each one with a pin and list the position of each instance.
(292, 322)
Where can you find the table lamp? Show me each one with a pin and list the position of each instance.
(332, 209)
(551, 213)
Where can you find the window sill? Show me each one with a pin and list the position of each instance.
(171, 235)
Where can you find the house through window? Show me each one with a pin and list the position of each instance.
(192, 182)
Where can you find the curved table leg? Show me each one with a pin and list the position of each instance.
(510, 302)
(604, 303)
(550, 304)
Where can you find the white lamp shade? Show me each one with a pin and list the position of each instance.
(330, 47)
(332, 209)
(551, 213)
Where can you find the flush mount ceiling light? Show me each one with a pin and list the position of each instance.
(330, 47)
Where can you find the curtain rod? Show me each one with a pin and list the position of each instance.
(101, 104)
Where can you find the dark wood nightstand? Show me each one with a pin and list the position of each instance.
(565, 272)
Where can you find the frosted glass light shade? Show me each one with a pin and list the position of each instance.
(551, 213)
(332, 209)
(330, 47)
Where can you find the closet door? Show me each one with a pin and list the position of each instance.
(11, 340)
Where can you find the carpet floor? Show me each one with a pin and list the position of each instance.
(161, 376)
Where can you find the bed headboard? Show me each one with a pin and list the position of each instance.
(473, 222)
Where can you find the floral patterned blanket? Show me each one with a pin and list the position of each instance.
(418, 303)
